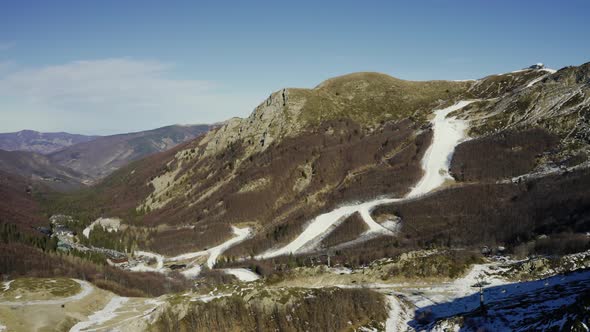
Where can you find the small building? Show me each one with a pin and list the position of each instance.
(63, 246)
(537, 66)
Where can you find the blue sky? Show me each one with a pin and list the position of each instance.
(102, 67)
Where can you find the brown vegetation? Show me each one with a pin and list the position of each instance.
(490, 214)
(22, 260)
(446, 264)
(183, 240)
(503, 155)
(328, 309)
(17, 205)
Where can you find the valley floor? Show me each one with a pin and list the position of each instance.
(414, 305)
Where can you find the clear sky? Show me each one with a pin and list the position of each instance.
(102, 67)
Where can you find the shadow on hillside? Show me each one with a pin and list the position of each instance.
(523, 301)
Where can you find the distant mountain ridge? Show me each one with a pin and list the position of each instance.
(36, 167)
(39, 142)
(100, 157)
(73, 166)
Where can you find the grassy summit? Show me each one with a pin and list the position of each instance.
(372, 98)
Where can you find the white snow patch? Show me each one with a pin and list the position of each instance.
(108, 224)
(243, 274)
(340, 270)
(102, 316)
(144, 268)
(7, 285)
(393, 323)
(3, 327)
(192, 272)
(399, 315)
(535, 81)
(215, 252)
(448, 132)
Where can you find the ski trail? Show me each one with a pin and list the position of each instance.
(447, 133)
(101, 316)
(193, 270)
(7, 285)
(241, 235)
(398, 318)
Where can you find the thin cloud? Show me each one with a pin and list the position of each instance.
(6, 46)
(129, 94)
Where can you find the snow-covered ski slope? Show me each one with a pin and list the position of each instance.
(448, 132)
(193, 269)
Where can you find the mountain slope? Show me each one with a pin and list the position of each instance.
(303, 152)
(378, 176)
(17, 205)
(44, 143)
(40, 169)
(100, 157)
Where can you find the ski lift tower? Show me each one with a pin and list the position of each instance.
(480, 284)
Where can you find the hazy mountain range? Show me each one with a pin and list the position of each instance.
(67, 161)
